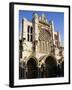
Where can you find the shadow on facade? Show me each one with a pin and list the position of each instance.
(48, 69)
(32, 68)
(61, 69)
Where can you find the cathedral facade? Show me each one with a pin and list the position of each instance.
(40, 51)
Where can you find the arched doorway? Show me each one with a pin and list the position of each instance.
(50, 67)
(32, 68)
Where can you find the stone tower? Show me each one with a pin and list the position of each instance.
(35, 31)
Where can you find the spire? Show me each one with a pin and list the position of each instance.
(52, 25)
(43, 17)
(35, 15)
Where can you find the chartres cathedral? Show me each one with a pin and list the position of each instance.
(41, 54)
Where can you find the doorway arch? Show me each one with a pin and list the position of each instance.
(32, 68)
(50, 67)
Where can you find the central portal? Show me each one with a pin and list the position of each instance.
(50, 67)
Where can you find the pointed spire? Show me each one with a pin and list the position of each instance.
(44, 17)
(35, 15)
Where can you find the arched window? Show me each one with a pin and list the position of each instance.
(46, 46)
(31, 30)
(40, 44)
(28, 30)
(43, 47)
(29, 34)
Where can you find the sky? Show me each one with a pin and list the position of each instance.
(57, 17)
